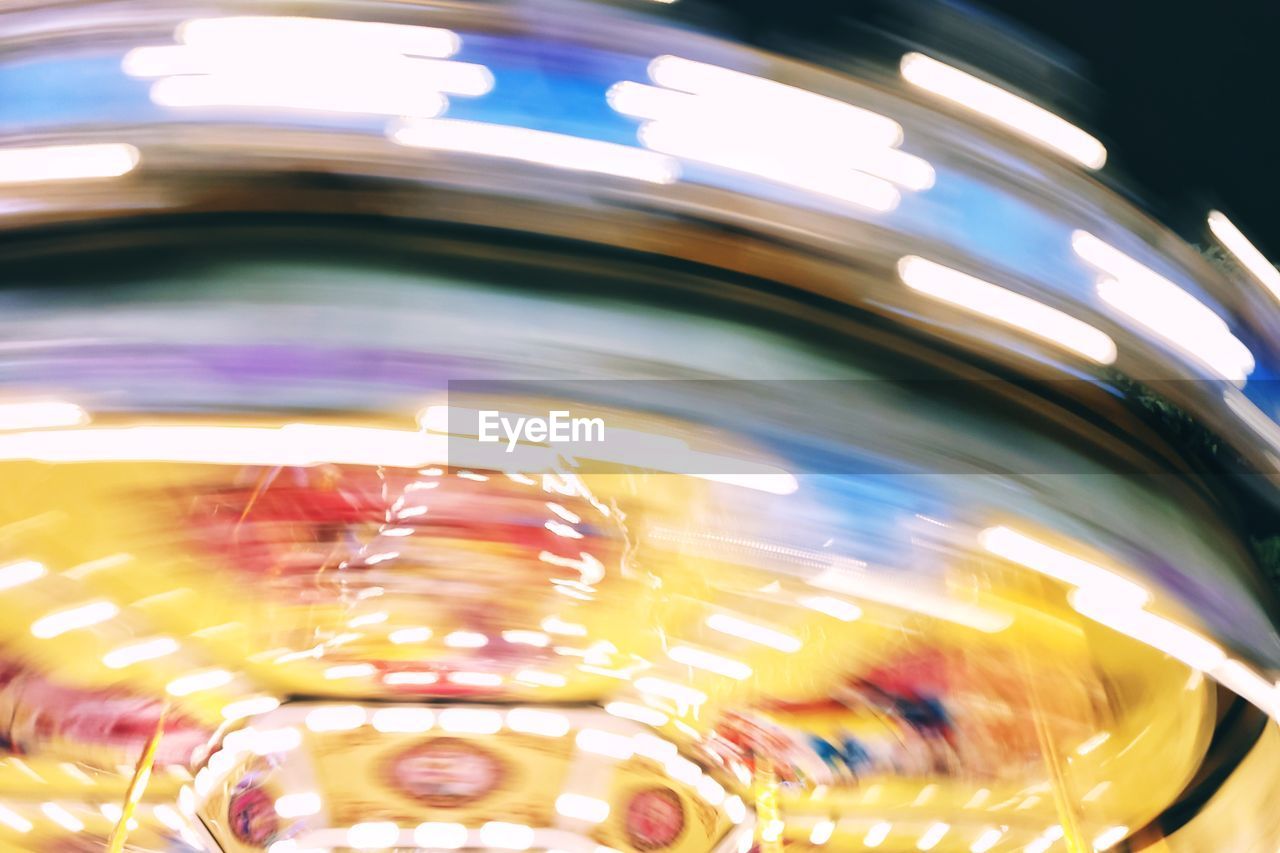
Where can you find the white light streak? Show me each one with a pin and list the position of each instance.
(1069, 569)
(13, 820)
(59, 163)
(335, 718)
(989, 838)
(40, 414)
(466, 640)
(403, 720)
(638, 713)
(84, 616)
(1005, 306)
(440, 836)
(539, 147)
(1245, 252)
(410, 635)
(309, 64)
(62, 817)
(479, 721)
(540, 678)
(537, 639)
(1165, 309)
(581, 807)
(704, 660)
(1193, 649)
(836, 608)
(17, 574)
(877, 834)
(410, 678)
(377, 835)
(298, 805)
(670, 690)
(210, 679)
(475, 679)
(506, 836)
(750, 631)
(1004, 108)
(538, 722)
(619, 747)
(249, 707)
(137, 652)
(353, 670)
(1110, 837)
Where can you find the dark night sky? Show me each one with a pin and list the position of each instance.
(1184, 94)
(1188, 100)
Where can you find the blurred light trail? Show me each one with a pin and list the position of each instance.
(769, 100)
(794, 169)
(271, 741)
(1250, 685)
(670, 690)
(353, 670)
(877, 834)
(608, 744)
(1245, 252)
(290, 445)
(311, 64)
(506, 836)
(409, 635)
(1164, 308)
(1005, 108)
(336, 718)
(716, 128)
(199, 681)
(62, 817)
(699, 659)
(17, 574)
(1093, 743)
(710, 790)
(84, 616)
(834, 607)
(1253, 417)
(867, 587)
(255, 32)
(403, 720)
(639, 713)
(377, 835)
(440, 836)
(537, 146)
(771, 130)
(1006, 307)
(751, 632)
(1039, 845)
(40, 415)
(298, 805)
(138, 652)
(583, 808)
(1059, 565)
(1193, 649)
(250, 707)
(536, 721)
(65, 163)
(539, 678)
(821, 832)
(476, 721)
(1110, 837)
(13, 820)
(932, 836)
(988, 839)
